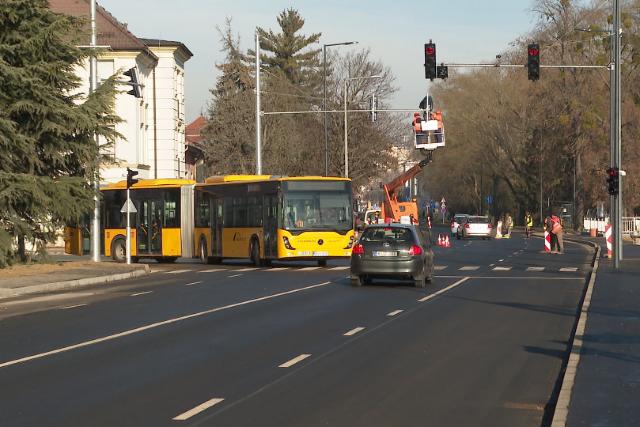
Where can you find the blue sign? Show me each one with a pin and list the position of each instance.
(489, 199)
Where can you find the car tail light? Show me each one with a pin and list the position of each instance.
(490, 226)
(415, 250)
(467, 225)
(358, 249)
(287, 244)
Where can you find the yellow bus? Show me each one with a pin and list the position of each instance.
(161, 229)
(266, 218)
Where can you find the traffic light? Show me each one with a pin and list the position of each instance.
(430, 61)
(132, 73)
(442, 71)
(130, 177)
(533, 61)
(613, 179)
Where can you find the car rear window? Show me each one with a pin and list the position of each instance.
(379, 234)
(478, 219)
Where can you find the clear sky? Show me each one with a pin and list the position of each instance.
(395, 31)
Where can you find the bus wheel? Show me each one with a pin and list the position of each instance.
(119, 250)
(255, 252)
(204, 254)
(322, 262)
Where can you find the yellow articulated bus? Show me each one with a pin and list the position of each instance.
(161, 229)
(265, 218)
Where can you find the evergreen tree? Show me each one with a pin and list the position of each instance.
(47, 129)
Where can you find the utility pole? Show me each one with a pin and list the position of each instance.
(258, 127)
(93, 84)
(616, 149)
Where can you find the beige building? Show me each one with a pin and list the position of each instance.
(153, 126)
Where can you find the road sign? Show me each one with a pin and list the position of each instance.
(489, 199)
(132, 207)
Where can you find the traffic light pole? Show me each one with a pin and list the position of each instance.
(128, 250)
(93, 85)
(616, 146)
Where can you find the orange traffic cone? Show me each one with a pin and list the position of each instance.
(447, 243)
(439, 239)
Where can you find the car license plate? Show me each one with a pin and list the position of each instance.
(321, 253)
(384, 253)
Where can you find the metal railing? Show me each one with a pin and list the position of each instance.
(630, 224)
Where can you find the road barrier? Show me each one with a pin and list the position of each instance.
(608, 235)
(547, 241)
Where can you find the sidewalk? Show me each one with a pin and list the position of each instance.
(65, 273)
(606, 391)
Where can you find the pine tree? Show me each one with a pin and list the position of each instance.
(47, 128)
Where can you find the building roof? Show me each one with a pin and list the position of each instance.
(111, 32)
(168, 43)
(193, 131)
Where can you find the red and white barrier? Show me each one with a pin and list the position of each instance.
(608, 235)
(547, 241)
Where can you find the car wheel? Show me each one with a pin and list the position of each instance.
(119, 250)
(356, 281)
(322, 263)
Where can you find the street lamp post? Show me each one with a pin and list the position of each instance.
(346, 146)
(324, 100)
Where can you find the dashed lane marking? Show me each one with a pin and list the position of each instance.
(140, 293)
(178, 271)
(156, 325)
(212, 270)
(248, 269)
(501, 268)
(342, 267)
(440, 267)
(435, 294)
(277, 268)
(308, 268)
(235, 275)
(393, 313)
(469, 268)
(193, 283)
(72, 306)
(195, 411)
(353, 331)
(294, 361)
(535, 268)
(569, 269)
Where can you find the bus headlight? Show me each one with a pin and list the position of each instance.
(287, 244)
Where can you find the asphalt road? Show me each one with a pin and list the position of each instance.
(296, 345)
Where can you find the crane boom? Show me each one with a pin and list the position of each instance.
(393, 210)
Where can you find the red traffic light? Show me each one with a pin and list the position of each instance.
(612, 172)
(430, 50)
(534, 51)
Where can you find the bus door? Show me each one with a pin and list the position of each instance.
(216, 226)
(270, 225)
(149, 228)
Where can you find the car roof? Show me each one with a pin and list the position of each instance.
(391, 225)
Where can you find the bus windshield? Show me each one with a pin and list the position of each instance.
(317, 210)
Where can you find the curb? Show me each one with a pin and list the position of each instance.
(561, 411)
(71, 284)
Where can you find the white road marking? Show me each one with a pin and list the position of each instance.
(294, 361)
(72, 306)
(393, 313)
(500, 260)
(278, 268)
(212, 270)
(501, 268)
(178, 271)
(535, 268)
(441, 291)
(193, 283)
(235, 275)
(156, 325)
(342, 267)
(203, 406)
(353, 331)
(248, 269)
(572, 269)
(491, 265)
(140, 293)
(440, 267)
(309, 268)
(469, 268)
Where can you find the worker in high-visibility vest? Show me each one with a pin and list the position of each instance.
(528, 224)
